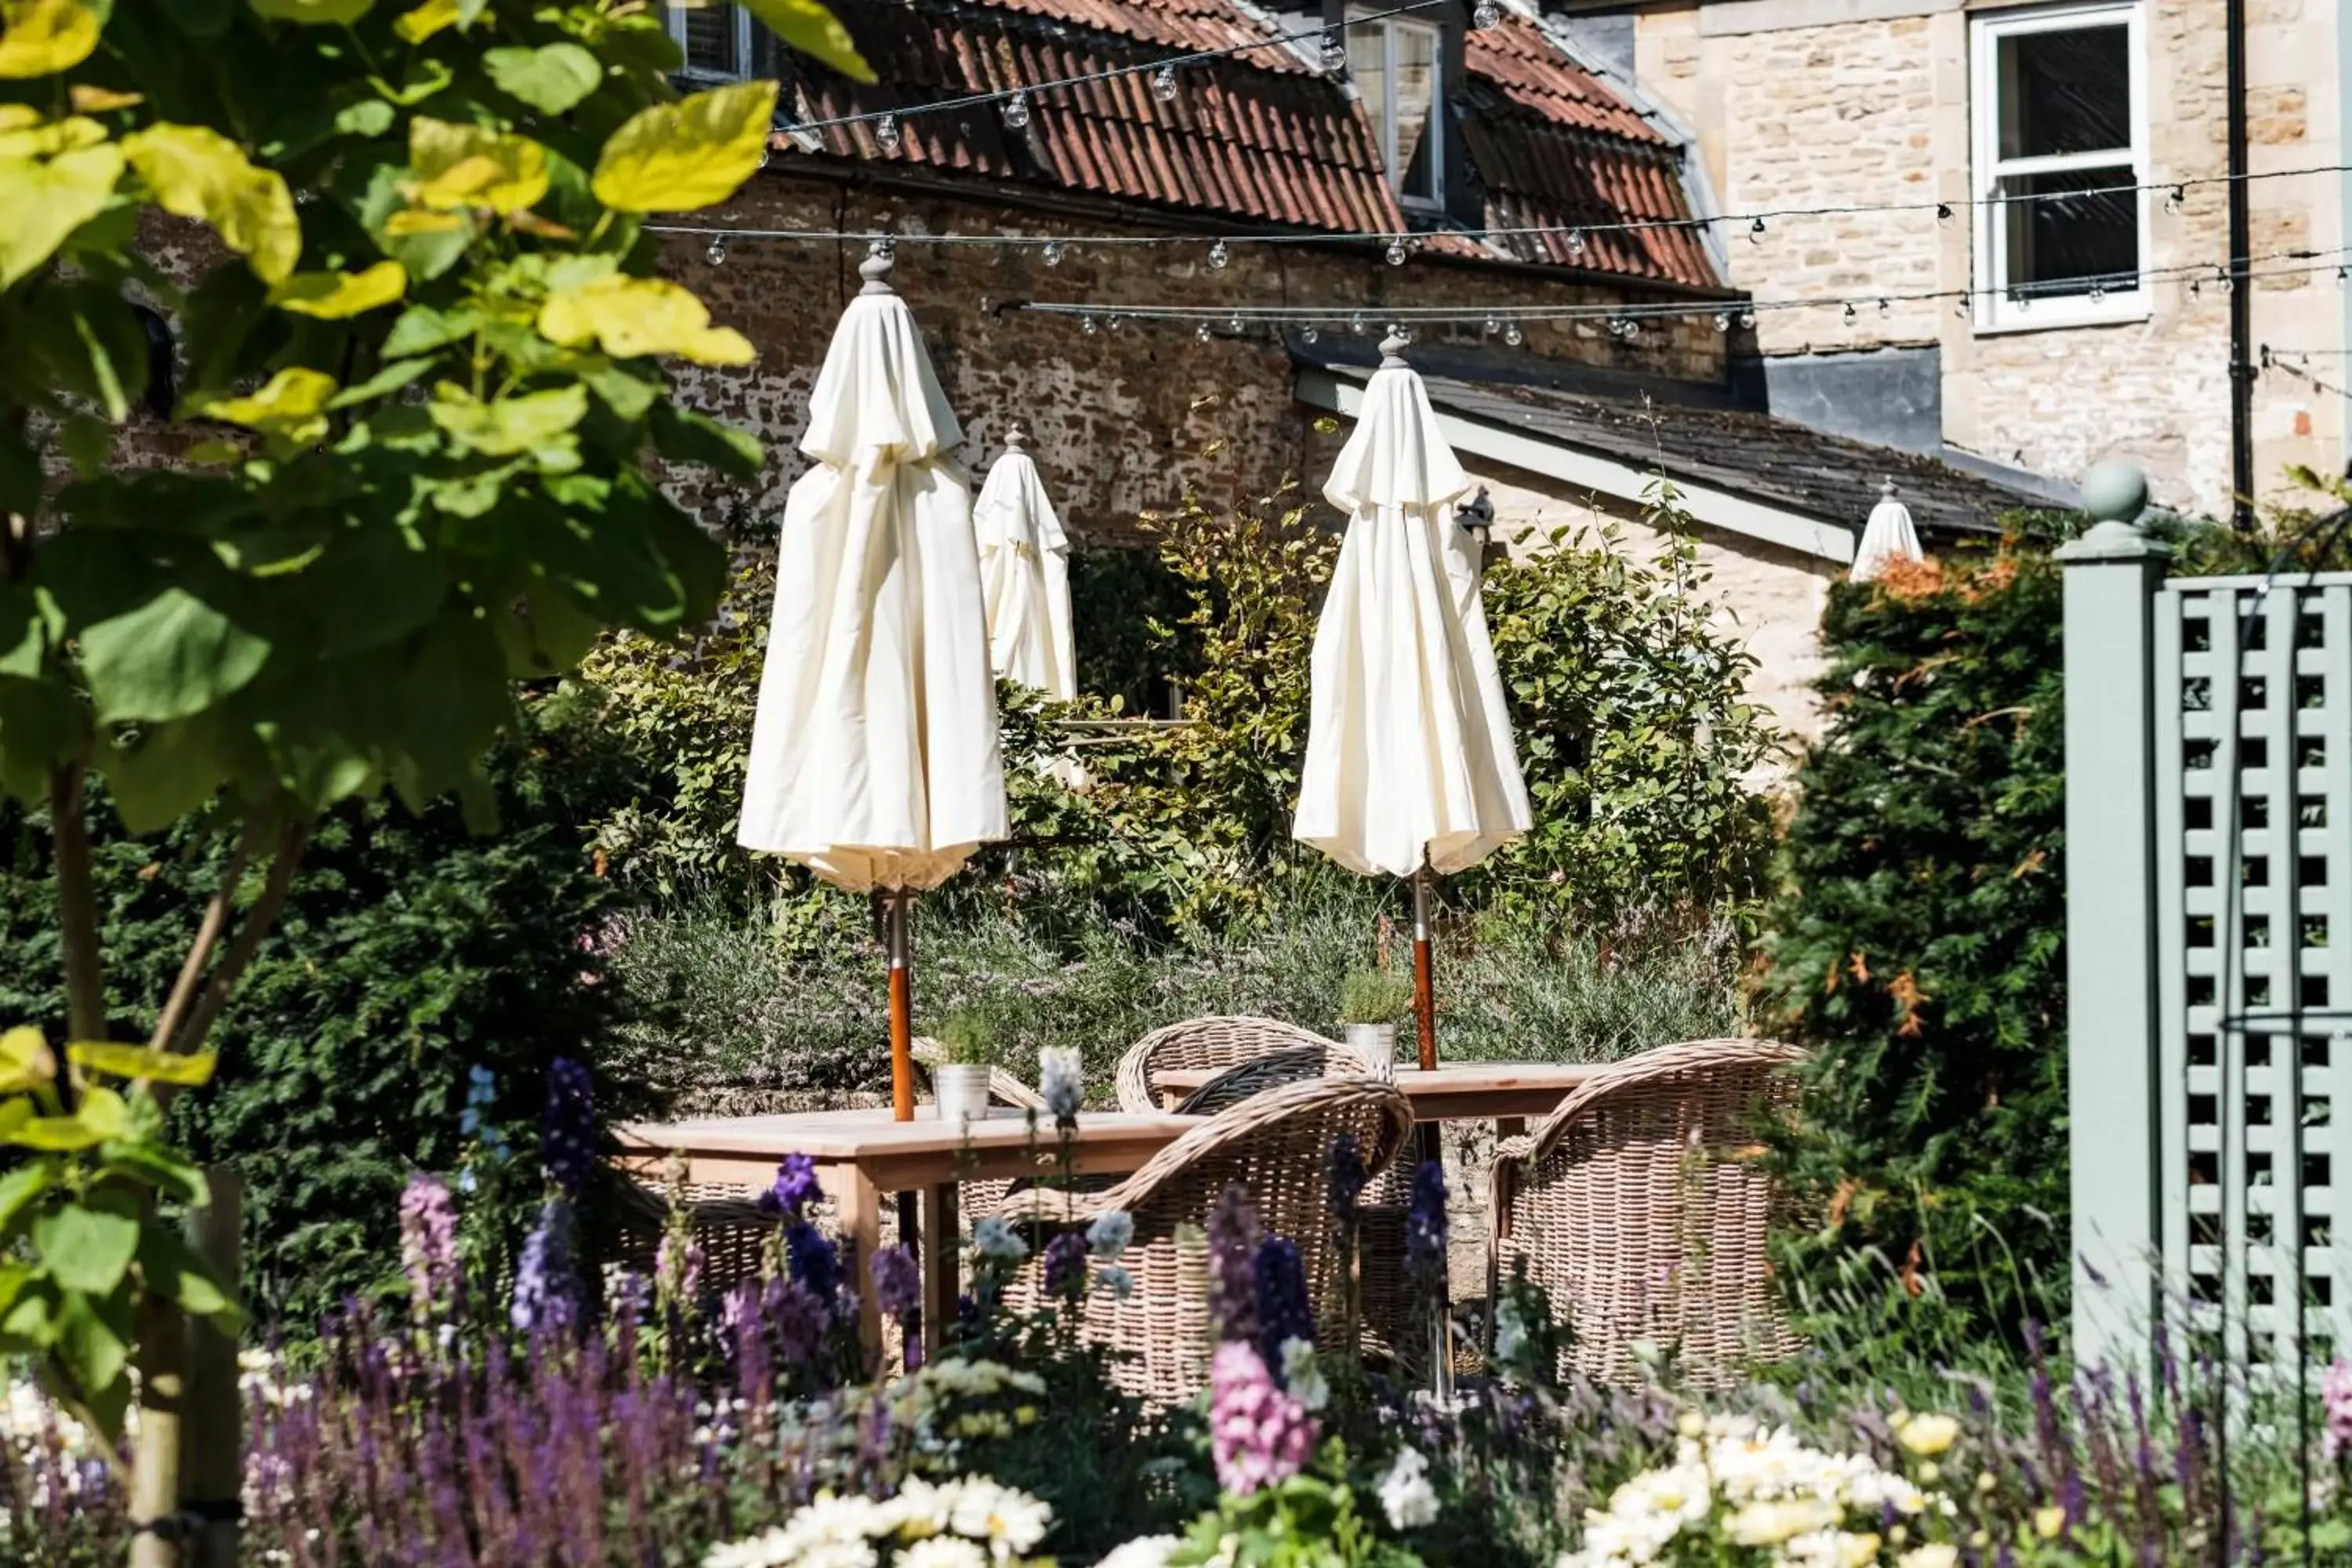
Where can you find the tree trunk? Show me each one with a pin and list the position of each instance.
(211, 1431)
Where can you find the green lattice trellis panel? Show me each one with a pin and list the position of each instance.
(2252, 703)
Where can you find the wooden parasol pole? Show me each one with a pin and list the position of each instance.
(902, 1008)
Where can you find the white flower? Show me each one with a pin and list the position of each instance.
(1061, 1080)
(838, 1554)
(943, 1551)
(1406, 1495)
(994, 1240)
(1770, 1523)
(1107, 1237)
(1143, 1552)
(1927, 1435)
(769, 1551)
(1303, 1378)
(1114, 1280)
(1010, 1522)
(1937, 1555)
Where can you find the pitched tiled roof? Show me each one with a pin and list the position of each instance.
(1556, 148)
(1258, 139)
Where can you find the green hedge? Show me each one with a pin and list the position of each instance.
(1917, 949)
(409, 952)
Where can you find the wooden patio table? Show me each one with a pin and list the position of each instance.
(1454, 1092)
(861, 1155)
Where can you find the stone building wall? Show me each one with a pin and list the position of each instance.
(1123, 419)
(1802, 103)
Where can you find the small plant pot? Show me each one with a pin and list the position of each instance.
(961, 1091)
(1375, 1046)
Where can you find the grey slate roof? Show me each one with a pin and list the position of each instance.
(1698, 435)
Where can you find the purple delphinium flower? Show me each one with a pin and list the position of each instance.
(795, 1188)
(898, 1282)
(1259, 1436)
(1066, 1266)
(679, 1268)
(567, 1131)
(428, 1247)
(1233, 1238)
(814, 1260)
(545, 1290)
(1345, 1167)
(1424, 1224)
(1283, 1312)
(801, 1318)
(2335, 1409)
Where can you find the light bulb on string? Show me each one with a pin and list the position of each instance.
(1960, 307)
(1356, 324)
(2175, 198)
(1747, 319)
(1335, 50)
(1849, 312)
(1486, 15)
(1632, 329)
(1493, 324)
(1756, 230)
(1087, 325)
(1308, 334)
(717, 254)
(1016, 110)
(1163, 84)
(1576, 242)
(1219, 254)
(885, 134)
(1236, 322)
(1512, 335)
(1053, 253)
(1201, 331)
(1117, 322)
(1885, 308)
(2221, 279)
(1943, 214)
(2098, 289)
(1396, 251)
(1722, 321)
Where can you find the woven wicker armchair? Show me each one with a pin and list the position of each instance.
(1213, 1043)
(1641, 1206)
(1275, 1145)
(726, 1221)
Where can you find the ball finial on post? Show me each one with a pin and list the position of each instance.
(2114, 491)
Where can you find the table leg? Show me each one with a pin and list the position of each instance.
(940, 1280)
(861, 1226)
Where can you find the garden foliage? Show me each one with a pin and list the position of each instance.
(412, 293)
(1918, 951)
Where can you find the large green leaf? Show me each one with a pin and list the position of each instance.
(21, 1186)
(93, 1343)
(537, 424)
(551, 79)
(84, 1248)
(174, 1269)
(684, 435)
(172, 657)
(676, 157)
(808, 27)
(47, 199)
(165, 771)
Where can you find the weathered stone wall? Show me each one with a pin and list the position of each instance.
(1803, 103)
(1122, 420)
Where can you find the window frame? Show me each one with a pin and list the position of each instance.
(1385, 131)
(674, 21)
(1993, 310)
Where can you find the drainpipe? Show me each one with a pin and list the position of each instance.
(2242, 290)
(2344, 211)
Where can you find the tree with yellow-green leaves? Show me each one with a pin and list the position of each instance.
(427, 375)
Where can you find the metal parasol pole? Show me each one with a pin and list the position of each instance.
(1424, 983)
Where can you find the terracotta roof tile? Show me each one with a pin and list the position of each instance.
(1257, 138)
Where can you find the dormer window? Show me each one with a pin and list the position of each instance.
(715, 39)
(1397, 63)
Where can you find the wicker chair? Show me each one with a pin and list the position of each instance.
(1274, 1144)
(731, 1227)
(1214, 1043)
(1642, 1208)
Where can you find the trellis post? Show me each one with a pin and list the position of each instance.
(2113, 573)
